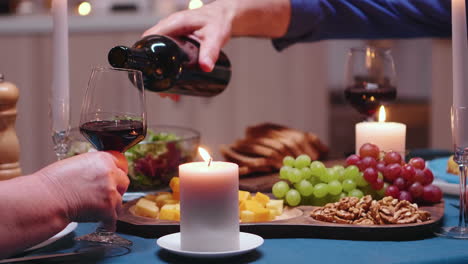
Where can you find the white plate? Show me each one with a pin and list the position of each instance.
(67, 230)
(248, 242)
(447, 188)
(442, 177)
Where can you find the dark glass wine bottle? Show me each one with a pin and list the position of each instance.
(170, 65)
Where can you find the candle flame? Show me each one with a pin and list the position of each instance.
(382, 114)
(205, 155)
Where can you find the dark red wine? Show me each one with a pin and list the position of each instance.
(368, 101)
(118, 135)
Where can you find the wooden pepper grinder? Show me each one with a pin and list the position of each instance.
(9, 145)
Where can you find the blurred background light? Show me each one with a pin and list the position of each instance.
(194, 4)
(84, 9)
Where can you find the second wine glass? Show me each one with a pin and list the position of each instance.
(370, 79)
(113, 117)
(460, 142)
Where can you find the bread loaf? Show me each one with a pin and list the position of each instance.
(265, 146)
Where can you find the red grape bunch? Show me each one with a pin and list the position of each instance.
(410, 181)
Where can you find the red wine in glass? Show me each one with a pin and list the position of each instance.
(118, 135)
(370, 79)
(368, 101)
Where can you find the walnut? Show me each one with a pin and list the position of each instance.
(345, 215)
(365, 202)
(364, 221)
(341, 221)
(386, 210)
(366, 211)
(347, 202)
(424, 215)
(402, 204)
(388, 219)
(403, 212)
(411, 219)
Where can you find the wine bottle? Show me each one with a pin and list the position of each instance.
(170, 65)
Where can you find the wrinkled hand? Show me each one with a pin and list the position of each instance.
(89, 186)
(210, 25)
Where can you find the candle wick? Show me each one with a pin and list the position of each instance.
(209, 162)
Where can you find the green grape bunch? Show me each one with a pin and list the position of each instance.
(307, 182)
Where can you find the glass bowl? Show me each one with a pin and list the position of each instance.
(154, 161)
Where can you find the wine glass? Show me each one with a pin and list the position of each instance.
(113, 117)
(460, 141)
(370, 79)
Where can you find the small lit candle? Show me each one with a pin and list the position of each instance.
(388, 136)
(209, 206)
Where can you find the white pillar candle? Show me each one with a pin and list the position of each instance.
(209, 206)
(388, 136)
(60, 95)
(459, 53)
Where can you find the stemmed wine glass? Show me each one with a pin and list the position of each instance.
(370, 79)
(460, 141)
(113, 117)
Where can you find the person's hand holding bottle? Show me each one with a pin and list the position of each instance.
(214, 24)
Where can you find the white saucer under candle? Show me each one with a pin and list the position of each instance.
(209, 206)
(248, 242)
(388, 136)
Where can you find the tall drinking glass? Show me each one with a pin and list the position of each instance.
(113, 117)
(460, 142)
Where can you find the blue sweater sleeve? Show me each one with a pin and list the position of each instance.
(313, 20)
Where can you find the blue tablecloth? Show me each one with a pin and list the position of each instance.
(439, 168)
(430, 250)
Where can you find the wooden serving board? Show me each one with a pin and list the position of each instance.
(295, 224)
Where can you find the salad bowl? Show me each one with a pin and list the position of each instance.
(154, 161)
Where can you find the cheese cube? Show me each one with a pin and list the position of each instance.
(261, 215)
(169, 201)
(241, 206)
(261, 198)
(252, 205)
(276, 205)
(244, 195)
(151, 197)
(174, 184)
(176, 195)
(160, 198)
(273, 214)
(147, 208)
(170, 212)
(247, 216)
